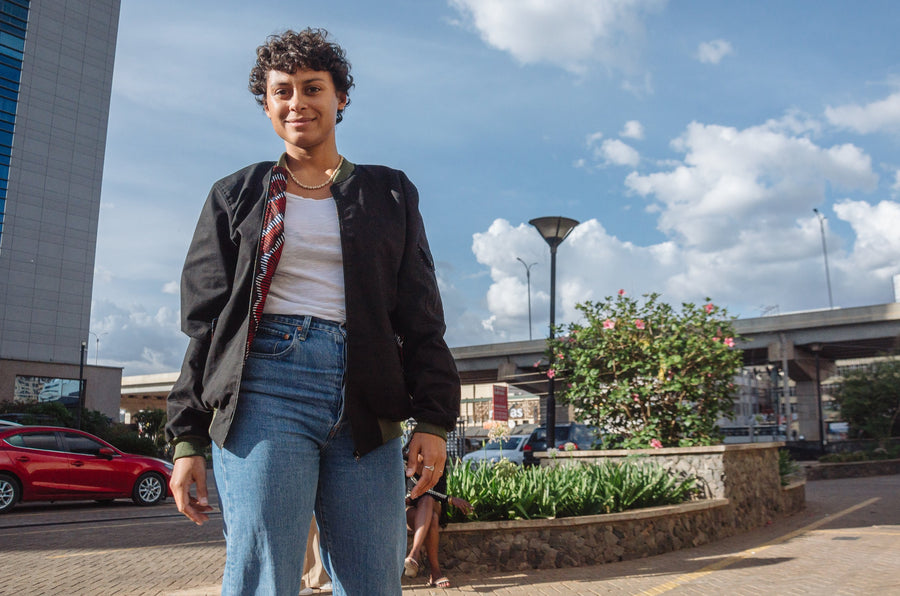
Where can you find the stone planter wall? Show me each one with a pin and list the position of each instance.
(741, 487)
(856, 469)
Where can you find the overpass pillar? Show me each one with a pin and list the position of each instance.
(808, 369)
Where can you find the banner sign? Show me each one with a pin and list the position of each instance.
(501, 403)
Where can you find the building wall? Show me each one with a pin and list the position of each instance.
(103, 384)
(49, 228)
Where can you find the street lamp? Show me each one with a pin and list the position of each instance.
(825, 252)
(97, 351)
(553, 230)
(528, 277)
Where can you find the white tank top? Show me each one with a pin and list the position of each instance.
(309, 279)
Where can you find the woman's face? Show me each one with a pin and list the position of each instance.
(303, 106)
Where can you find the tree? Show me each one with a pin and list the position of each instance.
(152, 425)
(646, 374)
(869, 400)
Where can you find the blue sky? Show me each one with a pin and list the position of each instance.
(692, 140)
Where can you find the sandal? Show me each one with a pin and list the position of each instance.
(410, 567)
(441, 582)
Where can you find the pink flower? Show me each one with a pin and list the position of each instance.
(560, 356)
(551, 373)
(716, 338)
(639, 324)
(636, 398)
(537, 364)
(709, 307)
(729, 341)
(655, 444)
(609, 324)
(621, 292)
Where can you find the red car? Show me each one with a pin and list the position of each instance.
(46, 463)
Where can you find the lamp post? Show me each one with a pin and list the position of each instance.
(97, 351)
(528, 277)
(80, 386)
(825, 252)
(553, 230)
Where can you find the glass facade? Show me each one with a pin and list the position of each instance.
(13, 21)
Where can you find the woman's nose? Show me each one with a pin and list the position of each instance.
(296, 103)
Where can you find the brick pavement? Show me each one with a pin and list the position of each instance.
(847, 541)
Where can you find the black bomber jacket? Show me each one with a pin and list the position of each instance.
(398, 365)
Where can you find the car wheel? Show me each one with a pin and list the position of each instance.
(149, 489)
(9, 492)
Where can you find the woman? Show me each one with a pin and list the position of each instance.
(425, 516)
(315, 324)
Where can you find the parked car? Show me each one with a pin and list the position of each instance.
(579, 436)
(511, 448)
(47, 463)
(8, 424)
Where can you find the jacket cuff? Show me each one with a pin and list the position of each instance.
(189, 446)
(431, 429)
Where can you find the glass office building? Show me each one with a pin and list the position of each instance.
(56, 69)
(13, 23)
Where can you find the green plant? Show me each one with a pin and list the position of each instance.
(869, 400)
(511, 492)
(787, 467)
(646, 374)
(50, 413)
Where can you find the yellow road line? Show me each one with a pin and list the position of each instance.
(721, 564)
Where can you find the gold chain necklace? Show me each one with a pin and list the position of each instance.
(317, 187)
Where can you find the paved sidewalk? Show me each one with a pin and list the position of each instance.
(846, 541)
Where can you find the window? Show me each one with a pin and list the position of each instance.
(37, 440)
(76, 443)
(43, 389)
(13, 24)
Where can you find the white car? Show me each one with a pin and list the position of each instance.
(512, 448)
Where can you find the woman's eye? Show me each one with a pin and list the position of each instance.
(313, 89)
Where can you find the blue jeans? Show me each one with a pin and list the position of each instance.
(289, 451)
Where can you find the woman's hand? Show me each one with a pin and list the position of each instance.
(427, 456)
(187, 472)
(461, 504)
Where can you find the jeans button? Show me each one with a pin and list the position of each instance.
(287, 336)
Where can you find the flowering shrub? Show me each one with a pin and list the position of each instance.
(647, 375)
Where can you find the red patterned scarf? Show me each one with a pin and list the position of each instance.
(271, 242)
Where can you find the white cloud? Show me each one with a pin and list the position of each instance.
(896, 185)
(140, 341)
(874, 117)
(592, 139)
(737, 215)
(877, 243)
(632, 130)
(732, 181)
(171, 287)
(568, 33)
(712, 52)
(618, 153)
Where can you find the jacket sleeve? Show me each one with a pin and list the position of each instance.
(206, 283)
(429, 370)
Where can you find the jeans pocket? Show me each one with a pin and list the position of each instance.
(271, 341)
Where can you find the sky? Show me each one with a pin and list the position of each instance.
(692, 140)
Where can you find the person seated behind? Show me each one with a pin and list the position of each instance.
(315, 578)
(423, 519)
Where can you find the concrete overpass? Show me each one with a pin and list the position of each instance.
(806, 344)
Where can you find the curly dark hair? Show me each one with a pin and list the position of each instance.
(291, 50)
